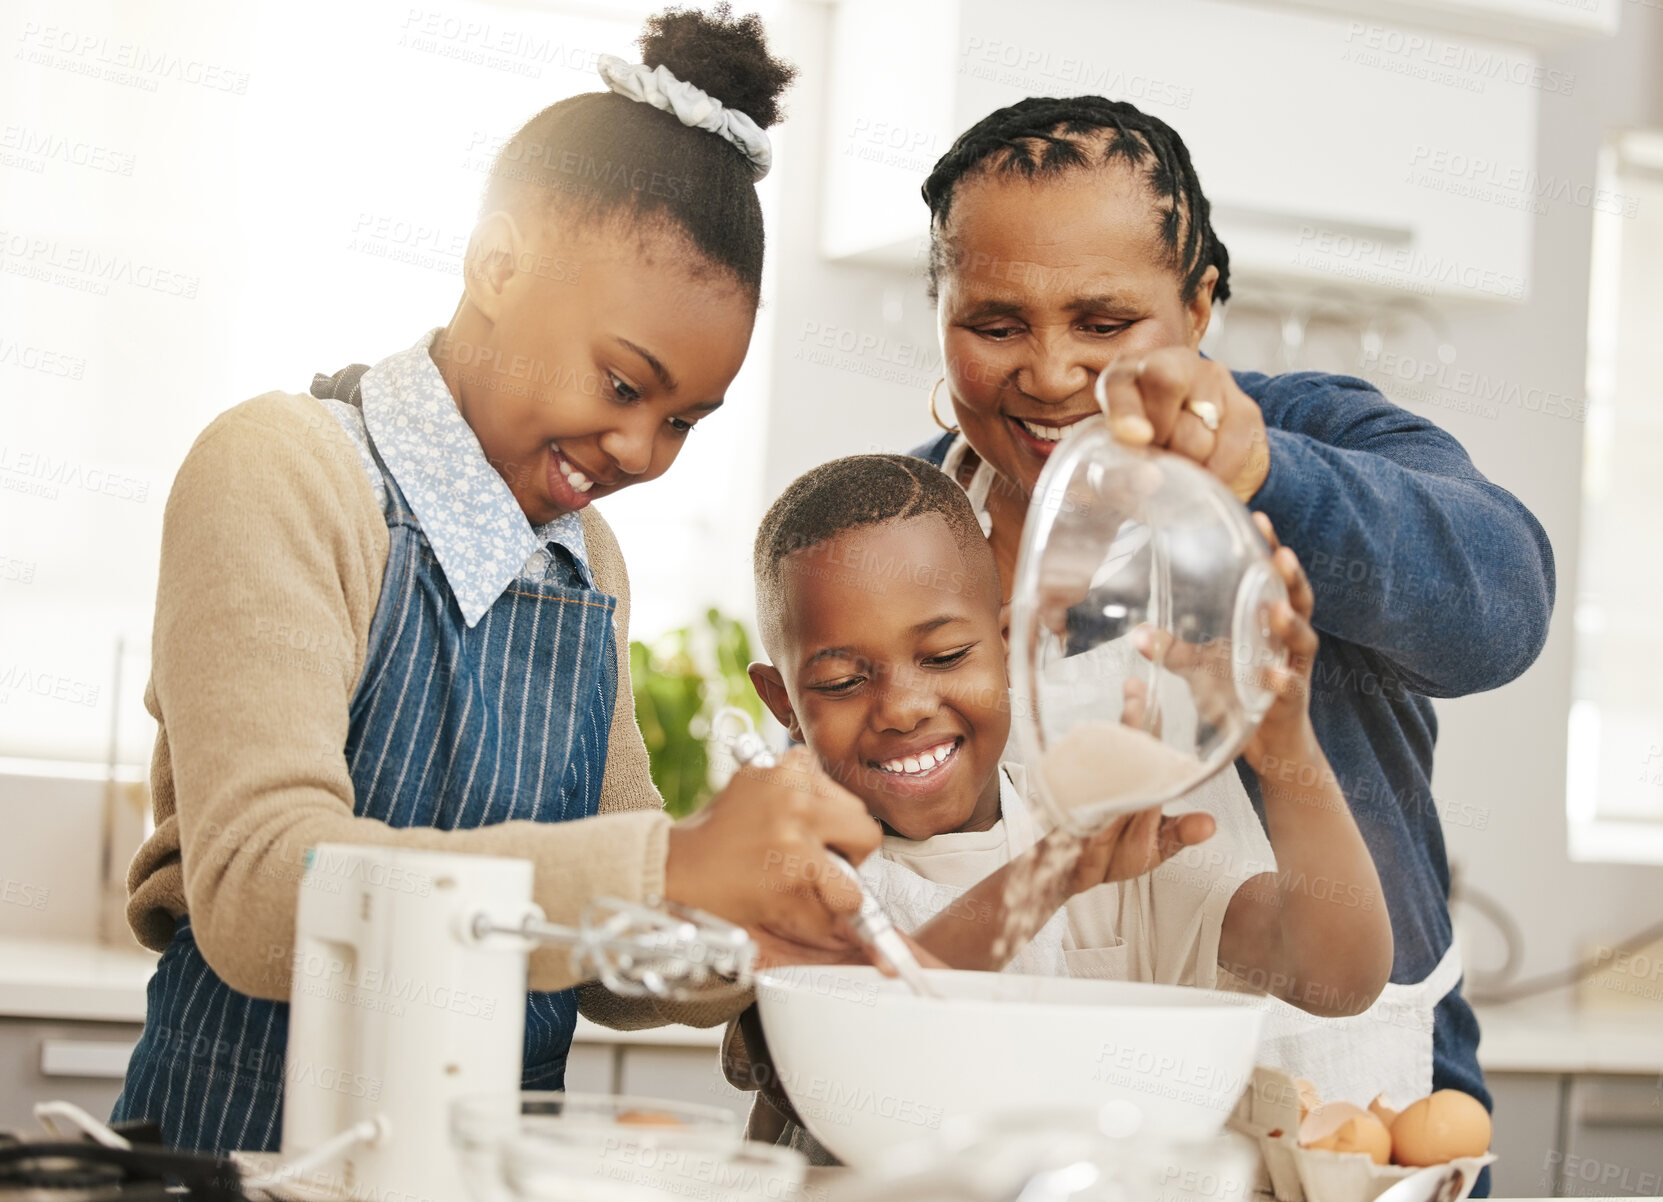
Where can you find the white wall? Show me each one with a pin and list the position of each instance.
(1506, 750)
(829, 401)
(1501, 759)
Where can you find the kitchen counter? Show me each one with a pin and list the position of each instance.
(52, 979)
(1551, 1034)
(829, 1185)
(57, 979)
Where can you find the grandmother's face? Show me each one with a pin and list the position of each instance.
(1046, 282)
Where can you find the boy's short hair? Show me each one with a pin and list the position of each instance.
(847, 494)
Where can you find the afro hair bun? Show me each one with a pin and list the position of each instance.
(723, 55)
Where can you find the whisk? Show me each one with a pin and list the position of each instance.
(871, 924)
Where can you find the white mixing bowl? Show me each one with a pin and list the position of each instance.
(869, 1066)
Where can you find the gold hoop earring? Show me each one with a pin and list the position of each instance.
(933, 416)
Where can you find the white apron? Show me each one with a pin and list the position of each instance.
(1387, 1049)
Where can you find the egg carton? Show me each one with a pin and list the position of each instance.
(1269, 1114)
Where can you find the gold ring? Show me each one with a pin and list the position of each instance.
(1206, 411)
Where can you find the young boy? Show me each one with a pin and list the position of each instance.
(878, 603)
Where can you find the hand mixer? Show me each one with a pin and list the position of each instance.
(871, 924)
(409, 992)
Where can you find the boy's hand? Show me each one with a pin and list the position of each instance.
(759, 855)
(1286, 732)
(1136, 843)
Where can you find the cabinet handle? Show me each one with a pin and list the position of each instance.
(102, 1059)
(1620, 1112)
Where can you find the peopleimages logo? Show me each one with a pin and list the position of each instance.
(98, 56)
(41, 475)
(1438, 60)
(1340, 253)
(31, 149)
(1407, 378)
(54, 261)
(1510, 185)
(42, 359)
(1033, 67)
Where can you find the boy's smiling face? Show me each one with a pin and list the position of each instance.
(891, 667)
(582, 356)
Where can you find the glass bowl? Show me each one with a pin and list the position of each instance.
(647, 1165)
(1139, 629)
(484, 1128)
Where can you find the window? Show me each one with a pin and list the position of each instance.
(205, 202)
(1614, 795)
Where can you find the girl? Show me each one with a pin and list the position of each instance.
(388, 615)
(1072, 241)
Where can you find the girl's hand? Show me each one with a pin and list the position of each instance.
(1165, 398)
(759, 855)
(1136, 843)
(1286, 735)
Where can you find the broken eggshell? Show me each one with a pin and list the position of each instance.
(1344, 1127)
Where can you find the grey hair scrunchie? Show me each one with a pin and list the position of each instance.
(658, 87)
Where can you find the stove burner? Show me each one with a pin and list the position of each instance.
(89, 1172)
(59, 1173)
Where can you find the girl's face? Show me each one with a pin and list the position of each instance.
(583, 359)
(1047, 282)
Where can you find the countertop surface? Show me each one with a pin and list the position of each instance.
(47, 979)
(57, 979)
(51, 979)
(1551, 1034)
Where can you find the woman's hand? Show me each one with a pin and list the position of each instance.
(759, 855)
(1164, 398)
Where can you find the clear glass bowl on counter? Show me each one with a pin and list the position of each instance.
(482, 1127)
(550, 1147)
(643, 1167)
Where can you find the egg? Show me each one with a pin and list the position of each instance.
(1309, 1098)
(1440, 1128)
(1380, 1110)
(647, 1118)
(1344, 1127)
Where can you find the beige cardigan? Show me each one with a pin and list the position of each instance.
(273, 548)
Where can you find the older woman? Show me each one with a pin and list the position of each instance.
(1071, 240)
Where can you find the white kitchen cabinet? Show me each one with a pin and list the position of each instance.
(592, 1068)
(1539, 23)
(1526, 1136)
(75, 1062)
(1613, 1136)
(1336, 152)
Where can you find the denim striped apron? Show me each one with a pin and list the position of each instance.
(451, 727)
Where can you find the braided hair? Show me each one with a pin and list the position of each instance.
(600, 156)
(1043, 137)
